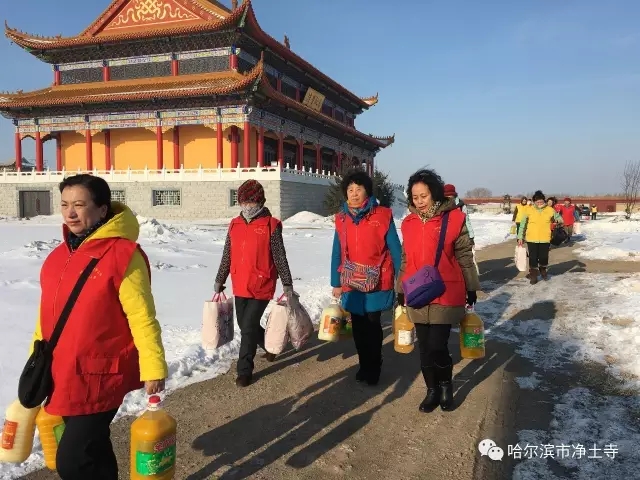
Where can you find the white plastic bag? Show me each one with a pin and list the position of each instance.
(299, 325)
(217, 322)
(577, 228)
(276, 334)
(520, 258)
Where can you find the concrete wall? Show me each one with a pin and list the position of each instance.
(199, 200)
(298, 197)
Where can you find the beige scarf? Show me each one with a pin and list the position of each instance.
(424, 216)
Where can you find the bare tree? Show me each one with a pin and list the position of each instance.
(631, 185)
(479, 192)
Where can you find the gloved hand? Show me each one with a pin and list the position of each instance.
(218, 288)
(292, 297)
(400, 299)
(472, 298)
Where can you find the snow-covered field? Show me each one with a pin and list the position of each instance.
(185, 258)
(612, 238)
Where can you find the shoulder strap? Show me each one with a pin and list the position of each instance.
(71, 301)
(443, 234)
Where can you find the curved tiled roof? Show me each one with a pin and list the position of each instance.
(126, 90)
(243, 16)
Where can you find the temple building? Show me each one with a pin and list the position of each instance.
(168, 94)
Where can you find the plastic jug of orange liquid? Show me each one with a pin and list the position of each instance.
(153, 443)
(50, 428)
(396, 313)
(18, 432)
(405, 335)
(331, 322)
(472, 335)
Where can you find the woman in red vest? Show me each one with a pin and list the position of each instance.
(421, 231)
(111, 343)
(366, 235)
(255, 263)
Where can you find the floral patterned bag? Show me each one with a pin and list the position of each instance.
(358, 276)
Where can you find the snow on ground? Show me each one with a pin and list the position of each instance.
(612, 238)
(574, 317)
(185, 258)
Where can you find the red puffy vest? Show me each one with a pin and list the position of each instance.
(568, 215)
(420, 241)
(253, 271)
(366, 243)
(95, 363)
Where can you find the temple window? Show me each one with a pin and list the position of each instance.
(81, 75)
(167, 198)
(326, 109)
(289, 90)
(339, 115)
(203, 65)
(118, 196)
(233, 198)
(131, 71)
(272, 80)
(244, 65)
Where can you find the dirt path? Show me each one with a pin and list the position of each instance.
(306, 418)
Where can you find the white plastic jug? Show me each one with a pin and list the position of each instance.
(17, 433)
(330, 322)
(520, 258)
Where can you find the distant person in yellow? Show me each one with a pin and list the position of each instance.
(594, 212)
(536, 222)
(519, 211)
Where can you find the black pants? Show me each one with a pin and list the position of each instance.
(85, 451)
(367, 335)
(249, 312)
(593, 216)
(433, 343)
(538, 255)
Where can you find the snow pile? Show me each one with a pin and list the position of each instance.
(152, 229)
(308, 218)
(611, 238)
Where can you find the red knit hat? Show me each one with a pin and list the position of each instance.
(251, 192)
(450, 190)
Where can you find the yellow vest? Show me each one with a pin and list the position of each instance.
(522, 210)
(594, 209)
(539, 224)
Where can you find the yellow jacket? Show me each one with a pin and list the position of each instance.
(135, 297)
(520, 212)
(536, 222)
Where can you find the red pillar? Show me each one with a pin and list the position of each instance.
(318, 158)
(58, 153)
(246, 144)
(176, 148)
(297, 94)
(339, 154)
(260, 162)
(106, 73)
(159, 149)
(57, 77)
(281, 150)
(107, 150)
(18, 145)
(220, 144)
(233, 59)
(234, 147)
(300, 154)
(279, 83)
(89, 147)
(175, 68)
(39, 155)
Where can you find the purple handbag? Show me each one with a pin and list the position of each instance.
(424, 286)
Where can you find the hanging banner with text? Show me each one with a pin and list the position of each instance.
(313, 99)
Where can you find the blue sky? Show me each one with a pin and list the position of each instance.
(509, 95)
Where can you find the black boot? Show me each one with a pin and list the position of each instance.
(445, 382)
(244, 380)
(432, 400)
(533, 276)
(544, 273)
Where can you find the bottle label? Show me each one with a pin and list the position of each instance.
(406, 337)
(58, 430)
(473, 338)
(332, 325)
(162, 459)
(9, 434)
